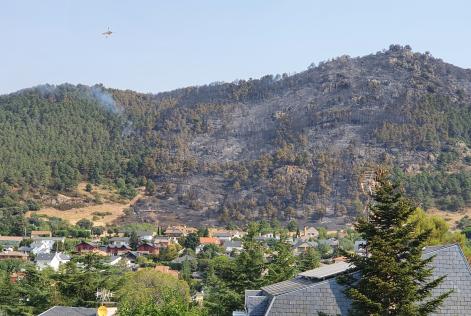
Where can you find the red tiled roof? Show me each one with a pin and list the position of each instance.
(209, 240)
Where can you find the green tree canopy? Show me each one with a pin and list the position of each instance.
(149, 292)
(393, 279)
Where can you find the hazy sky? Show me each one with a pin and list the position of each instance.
(162, 45)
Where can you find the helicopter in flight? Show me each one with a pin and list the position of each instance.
(107, 33)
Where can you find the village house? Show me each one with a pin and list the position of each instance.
(41, 246)
(302, 246)
(223, 236)
(310, 232)
(148, 248)
(206, 241)
(269, 235)
(6, 255)
(265, 238)
(231, 246)
(131, 256)
(10, 241)
(163, 241)
(25, 249)
(174, 232)
(119, 241)
(209, 241)
(86, 246)
(44, 244)
(332, 242)
(117, 250)
(316, 291)
(145, 236)
(51, 260)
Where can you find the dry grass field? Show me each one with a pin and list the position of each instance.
(109, 205)
(451, 218)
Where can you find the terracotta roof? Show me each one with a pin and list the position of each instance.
(209, 240)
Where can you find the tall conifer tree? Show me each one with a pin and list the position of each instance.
(393, 278)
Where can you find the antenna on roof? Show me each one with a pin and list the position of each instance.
(103, 295)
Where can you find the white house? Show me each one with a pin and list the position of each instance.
(230, 246)
(146, 236)
(310, 232)
(223, 236)
(44, 244)
(41, 246)
(51, 260)
(119, 241)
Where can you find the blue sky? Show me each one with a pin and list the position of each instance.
(163, 45)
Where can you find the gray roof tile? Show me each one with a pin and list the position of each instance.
(69, 311)
(301, 296)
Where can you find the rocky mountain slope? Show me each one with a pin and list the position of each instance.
(286, 146)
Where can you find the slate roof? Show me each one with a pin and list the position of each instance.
(90, 243)
(222, 234)
(305, 244)
(232, 244)
(38, 238)
(308, 296)
(331, 242)
(119, 239)
(257, 303)
(143, 234)
(287, 286)
(45, 256)
(327, 270)
(69, 311)
(50, 256)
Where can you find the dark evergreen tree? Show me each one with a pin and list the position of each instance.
(191, 241)
(393, 278)
(283, 264)
(133, 240)
(309, 260)
(250, 266)
(150, 187)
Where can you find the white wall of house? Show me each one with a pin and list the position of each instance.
(54, 263)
